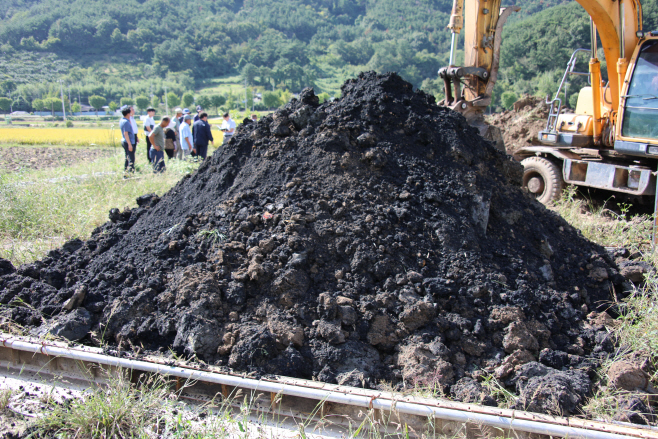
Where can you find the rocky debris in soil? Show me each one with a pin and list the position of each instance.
(72, 326)
(469, 390)
(634, 271)
(374, 238)
(624, 375)
(547, 390)
(521, 125)
(636, 410)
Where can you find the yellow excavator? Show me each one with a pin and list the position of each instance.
(611, 140)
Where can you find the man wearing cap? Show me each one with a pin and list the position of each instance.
(198, 113)
(185, 113)
(149, 124)
(228, 127)
(127, 140)
(202, 135)
(157, 138)
(186, 138)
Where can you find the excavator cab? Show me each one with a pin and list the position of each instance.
(639, 129)
(570, 129)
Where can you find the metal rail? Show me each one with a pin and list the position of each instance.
(303, 396)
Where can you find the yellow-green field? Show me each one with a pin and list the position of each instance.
(62, 136)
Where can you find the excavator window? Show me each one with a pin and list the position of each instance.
(641, 107)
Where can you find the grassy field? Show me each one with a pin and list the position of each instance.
(223, 85)
(44, 208)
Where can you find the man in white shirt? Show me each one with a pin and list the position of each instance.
(186, 138)
(133, 124)
(228, 127)
(175, 125)
(149, 124)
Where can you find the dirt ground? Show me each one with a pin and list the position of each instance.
(14, 158)
(521, 125)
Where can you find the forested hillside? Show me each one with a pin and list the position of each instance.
(130, 47)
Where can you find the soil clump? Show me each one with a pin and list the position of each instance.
(375, 238)
(14, 158)
(521, 125)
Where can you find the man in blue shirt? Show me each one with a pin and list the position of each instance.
(202, 135)
(127, 140)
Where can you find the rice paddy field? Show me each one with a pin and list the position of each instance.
(104, 136)
(62, 136)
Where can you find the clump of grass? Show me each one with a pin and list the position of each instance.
(44, 208)
(213, 236)
(637, 334)
(5, 396)
(504, 397)
(121, 409)
(602, 225)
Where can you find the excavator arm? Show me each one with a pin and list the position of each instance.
(482, 21)
(468, 88)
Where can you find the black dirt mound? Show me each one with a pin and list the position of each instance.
(377, 237)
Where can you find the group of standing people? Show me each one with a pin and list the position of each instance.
(179, 137)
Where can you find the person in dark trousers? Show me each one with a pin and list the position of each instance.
(170, 142)
(157, 138)
(127, 140)
(202, 135)
(149, 124)
(198, 113)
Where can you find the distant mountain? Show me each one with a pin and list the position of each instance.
(274, 43)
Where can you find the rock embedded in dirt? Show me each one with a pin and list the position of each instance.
(635, 409)
(470, 391)
(624, 375)
(374, 238)
(6, 267)
(547, 390)
(634, 270)
(72, 326)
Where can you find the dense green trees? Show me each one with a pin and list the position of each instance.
(187, 100)
(142, 102)
(172, 100)
(5, 104)
(217, 101)
(97, 102)
(155, 45)
(270, 99)
(53, 104)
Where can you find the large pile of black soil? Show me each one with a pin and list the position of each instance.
(374, 238)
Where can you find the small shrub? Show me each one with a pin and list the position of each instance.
(508, 98)
(69, 124)
(5, 395)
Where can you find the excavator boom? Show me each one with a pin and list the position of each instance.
(482, 21)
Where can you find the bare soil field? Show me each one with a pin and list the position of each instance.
(14, 158)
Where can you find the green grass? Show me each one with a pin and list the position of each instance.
(42, 209)
(120, 409)
(152, 408)
(637, 327)
(600, 224)
(223, 85)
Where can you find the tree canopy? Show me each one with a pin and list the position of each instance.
(152, 47)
